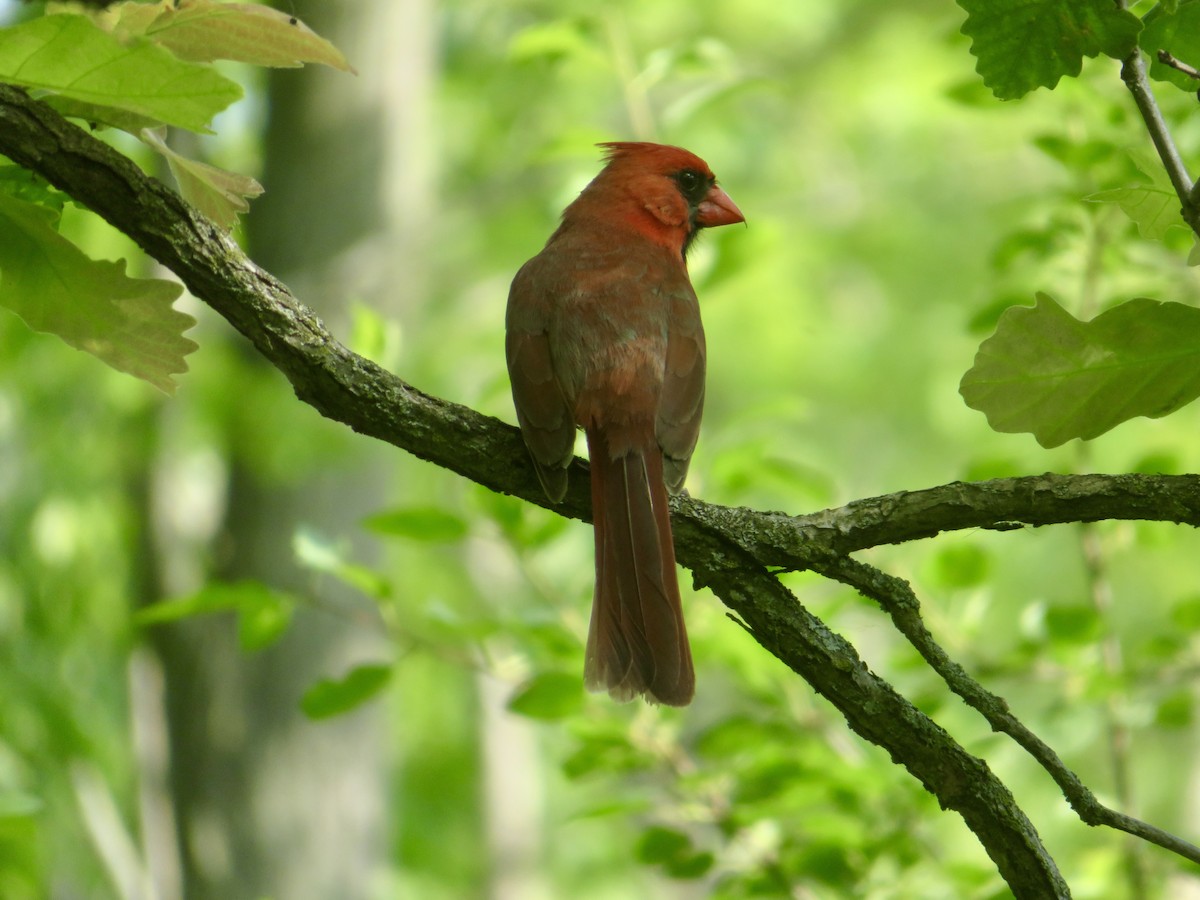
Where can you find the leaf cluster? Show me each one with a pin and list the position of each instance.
(138, 68)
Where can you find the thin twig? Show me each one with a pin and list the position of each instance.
(1168, 60)
(896, 597)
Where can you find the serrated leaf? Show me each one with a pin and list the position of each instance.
(206, 30)
(1178, 32)
(331, 697)
(1154, 207)
(128, 323)
(1020, 45)
(220, 195)
(1047, 373)
(71, 56)
(549, 696)
(421, 523)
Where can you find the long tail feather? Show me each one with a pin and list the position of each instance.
(637, 642)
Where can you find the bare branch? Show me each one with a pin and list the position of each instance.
(1003, 504)
(1168, 60)
(896, 597)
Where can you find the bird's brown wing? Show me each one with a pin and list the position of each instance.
(682, 401)
(543, 413)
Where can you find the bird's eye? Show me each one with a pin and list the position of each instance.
(693, 184)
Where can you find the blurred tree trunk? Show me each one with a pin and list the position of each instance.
(269, 803)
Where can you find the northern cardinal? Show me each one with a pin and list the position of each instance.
(604, 334)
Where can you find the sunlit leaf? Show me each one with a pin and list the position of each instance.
(97, 115)
(207, 30)
(1021, 45)
(19, 182)
(322, 556)
(71, 56)
(330, 697)
(552, 695)
(220, 195)
(554, 39)
(128, 323)
(1047, 373)
(421, 523)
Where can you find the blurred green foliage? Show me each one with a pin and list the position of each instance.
(895, 209)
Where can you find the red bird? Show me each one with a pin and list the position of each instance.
(604, 334)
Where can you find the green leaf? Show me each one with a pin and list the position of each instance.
(330, 697)
(1177, 710)
(263, 618)
(961, 566)
(1186, 614)
(20, 183)
(218, 194)
(1047, 373)
(661, 845)
(70, 56)
(19, 805)
(97, 115)
(128, 323)
(549, 696)
(1178, 32)
(1021, 45)
(321, 556)
(1074, 624)
(420, 523)
(206, 30)
(672, 849)
(1154, 207)
(263, 613)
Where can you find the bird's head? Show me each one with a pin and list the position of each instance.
(666, 193)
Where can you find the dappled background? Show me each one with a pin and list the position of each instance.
(894, 209)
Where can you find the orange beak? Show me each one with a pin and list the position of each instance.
(718, 209)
